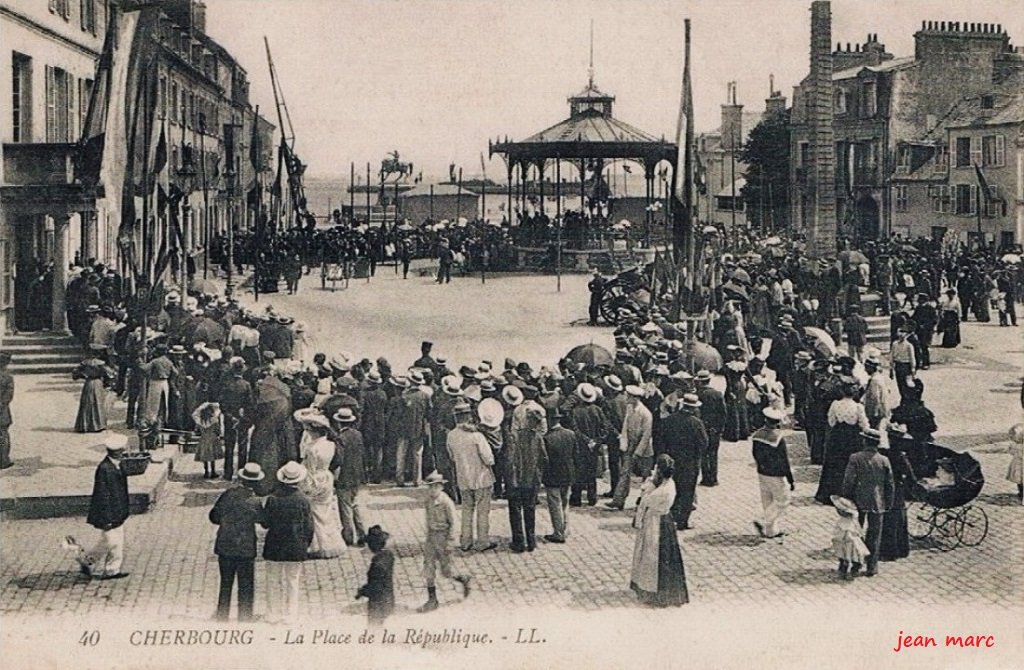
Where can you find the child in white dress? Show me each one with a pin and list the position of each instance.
(848, 538)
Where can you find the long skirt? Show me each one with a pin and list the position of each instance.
(950, 326)
(842, 442)
(92, 416)
(737, 426)
(672, 590)
(157, 394)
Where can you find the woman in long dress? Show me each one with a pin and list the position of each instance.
(92, 414)
(949, 321)
(846, 420)
(658, 576)
(319, 488)
(737, 424)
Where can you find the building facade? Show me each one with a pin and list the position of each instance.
(966, 176)
(51, 216)
(48, 52)
(880, 102)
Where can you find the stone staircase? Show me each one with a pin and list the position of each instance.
(42, 353)
(878, 332)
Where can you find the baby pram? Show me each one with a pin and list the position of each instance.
(945, 483)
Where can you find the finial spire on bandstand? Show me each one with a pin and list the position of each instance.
(590, 70)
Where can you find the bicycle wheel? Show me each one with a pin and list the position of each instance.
(920, 520)
(973, 526)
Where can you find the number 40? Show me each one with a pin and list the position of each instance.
(90, 638)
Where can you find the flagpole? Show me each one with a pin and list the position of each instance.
(259, 226)
(206, 197)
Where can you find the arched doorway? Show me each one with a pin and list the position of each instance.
(868, 224)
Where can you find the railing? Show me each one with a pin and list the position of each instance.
(39, 164)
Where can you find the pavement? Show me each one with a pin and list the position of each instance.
(973, 391)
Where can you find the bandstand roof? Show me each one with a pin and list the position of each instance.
(590, 131)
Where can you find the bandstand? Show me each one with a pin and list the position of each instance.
(588, 140)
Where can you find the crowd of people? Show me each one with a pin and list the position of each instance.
(251, 393)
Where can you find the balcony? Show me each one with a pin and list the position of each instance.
(39, 164)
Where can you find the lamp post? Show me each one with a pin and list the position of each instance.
(206, 196)
(186, 176)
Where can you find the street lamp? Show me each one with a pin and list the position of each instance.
(186, 174)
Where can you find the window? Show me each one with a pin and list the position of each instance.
(938, 234)
(941, 158)
(899, 195)
(840, 104)
(941, 201)
(88, 15)
(996, 205)
(21, 98)
(993, 150)
(172, 113)
(903, 160)
(963, 152)
(84, 98)
(805, 154)
(61, 8)
(59, 105)
(869, 99)
(965, 199)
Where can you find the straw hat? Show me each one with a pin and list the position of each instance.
(451, 385)
(345, 415)
(291, 473)
(586, 392)
(844, 506)
(691, 400)
(512, 395)
(613, 382)
(434, 477)
(491, 412)
(115, 443)
(251, 472)
(773, 414)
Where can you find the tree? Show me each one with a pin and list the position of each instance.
(766, 154)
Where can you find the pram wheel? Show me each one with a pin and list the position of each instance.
(973, 526)
(920, 520)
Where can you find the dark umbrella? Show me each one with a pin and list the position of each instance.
(735, 291)
(590, 355)
(701, 356)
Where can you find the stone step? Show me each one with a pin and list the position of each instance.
(63, 369)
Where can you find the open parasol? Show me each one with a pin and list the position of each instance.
(701, 356)
(741, 275)
(821, 341)
(1010, 258)
(590, 355)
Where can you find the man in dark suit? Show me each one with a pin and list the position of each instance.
(561, 445)
(925, 319)
(6, 396)
(108, 510)
(712, 415)
(288, 518)
(685, 441)
(236, 512)
(869, 483)
(237, 402)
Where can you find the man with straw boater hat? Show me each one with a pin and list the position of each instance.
(347, 465)
(236, 513)
(288, 518)
(471, 454)
(440, 532)
(108, 511)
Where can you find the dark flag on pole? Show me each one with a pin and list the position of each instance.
(986, 192)
(160, 158)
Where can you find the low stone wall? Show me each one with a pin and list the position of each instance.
(539, 259)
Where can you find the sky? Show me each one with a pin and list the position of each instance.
(435, 79)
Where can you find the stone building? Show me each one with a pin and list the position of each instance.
(719, 201)
(878, 101)
(52, 213)
(937, 183)
(48, 53)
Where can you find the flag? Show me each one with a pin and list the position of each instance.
(160, 159)
(275, 188)
(983, 184)
(483, 167)
(254, 145)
